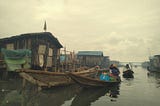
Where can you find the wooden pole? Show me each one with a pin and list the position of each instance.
(65, 58)
(23, 83)
(5, 75)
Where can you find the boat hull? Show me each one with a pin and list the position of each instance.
(128, 74)
(45, 79)
(91, 82)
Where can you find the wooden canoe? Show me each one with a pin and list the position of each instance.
(45, 79)
(91, 82)
(128, 74)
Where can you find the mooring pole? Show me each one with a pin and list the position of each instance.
(23, 83)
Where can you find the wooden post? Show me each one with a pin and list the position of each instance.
(5, 75)
(65, 58)
(62, 67)
(23, 83)
(39, 88)
(74, 60)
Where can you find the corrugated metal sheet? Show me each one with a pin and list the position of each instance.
(90, 53)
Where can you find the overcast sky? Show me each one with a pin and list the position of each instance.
(125, 30)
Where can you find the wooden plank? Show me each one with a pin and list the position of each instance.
(40, 72)
(50, 79)
(45, 83)
(31, 79)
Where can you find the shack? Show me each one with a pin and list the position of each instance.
(90, 58)
(43, 49)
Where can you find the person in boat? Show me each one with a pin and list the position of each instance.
(104, 76)
(97, 67)
(127, 68)
(127, 71)
(114, 70)
(114, 73)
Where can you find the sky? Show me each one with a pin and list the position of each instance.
(125, 30)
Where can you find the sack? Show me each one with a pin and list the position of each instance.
(112, 79)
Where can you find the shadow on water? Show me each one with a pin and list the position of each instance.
(87, 96)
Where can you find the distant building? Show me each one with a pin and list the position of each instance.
(44, 47)
(105, 62)
(90, 58)
(154, 63)
(115, 62)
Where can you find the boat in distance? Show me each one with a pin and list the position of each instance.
(128, 74)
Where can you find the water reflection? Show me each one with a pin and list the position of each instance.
(143, 90)
(56, 97)
(128, 81)
(87, 96)
(12, 98)
(9, 93)
(114, 92)
(154, 77)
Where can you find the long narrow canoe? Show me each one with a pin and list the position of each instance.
(46, 79)
(91, 82)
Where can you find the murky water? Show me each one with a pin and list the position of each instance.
(143, 90)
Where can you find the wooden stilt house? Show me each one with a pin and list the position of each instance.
(44, 48)
(32, 52)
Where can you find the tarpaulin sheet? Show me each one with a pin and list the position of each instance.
(16, 58)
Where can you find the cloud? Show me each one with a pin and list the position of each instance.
(123, 29)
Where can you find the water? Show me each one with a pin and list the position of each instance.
(143, 90)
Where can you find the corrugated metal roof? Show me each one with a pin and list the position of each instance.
(90, 53)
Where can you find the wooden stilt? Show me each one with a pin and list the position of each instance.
(23, 83)
(39, 88)
(5, 75)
